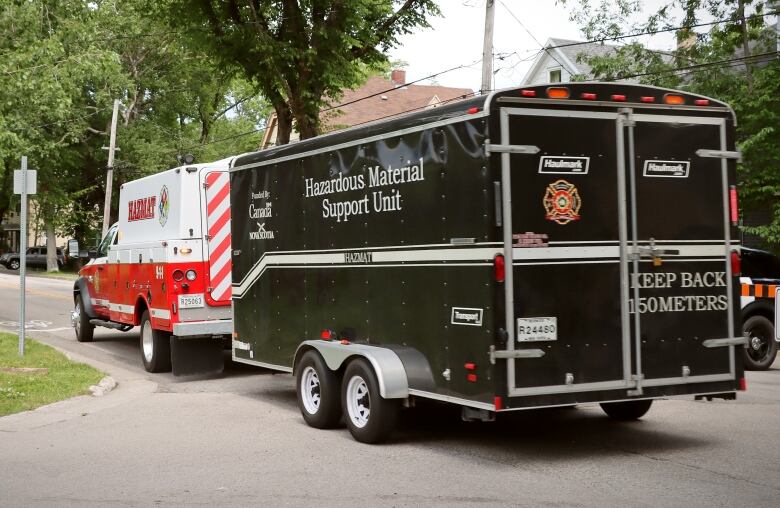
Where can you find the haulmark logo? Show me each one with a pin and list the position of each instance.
(164, 205)
(562, 202)
(667, 169)
(466, 316)
(564, 165)
(261, 233)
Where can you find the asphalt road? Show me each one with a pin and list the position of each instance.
(239, 440)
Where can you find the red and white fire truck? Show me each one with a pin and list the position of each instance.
(165, 266)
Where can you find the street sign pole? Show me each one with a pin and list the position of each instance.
(25, 182)
(23, 255)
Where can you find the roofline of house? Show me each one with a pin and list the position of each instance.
(562, 59)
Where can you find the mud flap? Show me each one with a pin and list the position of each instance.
(196, 356)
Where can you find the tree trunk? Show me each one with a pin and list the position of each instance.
(51, 248)
(283, 124)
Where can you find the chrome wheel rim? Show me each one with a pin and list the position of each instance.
(358, 402)
(310, 390)
(146, 341)
(77, 318)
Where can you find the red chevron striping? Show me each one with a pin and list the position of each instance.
(218, 198)
(220, 249)
(220, 223)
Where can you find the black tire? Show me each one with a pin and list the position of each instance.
(761, 350)
(13, 264)
(317, 389)
(378, 416)
(156, 354)
(85, 330)
(627, 410)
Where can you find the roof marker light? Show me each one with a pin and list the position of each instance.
(647, 99)
(472, 111)
(528, 93)
(558, 93)
(673, 98)
(618, 98)
(588, 96)
(702, 102)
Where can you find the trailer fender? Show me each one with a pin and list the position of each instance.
(389, 369)
(80, 286)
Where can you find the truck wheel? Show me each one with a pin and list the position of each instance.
(369, 417)
(628, 410)
(761, 350)
(84, 329)
(318, 391)
(155, 347)
(13, 264)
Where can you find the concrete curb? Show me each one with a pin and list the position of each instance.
(103, 387)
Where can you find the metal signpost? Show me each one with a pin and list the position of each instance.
(25, 182)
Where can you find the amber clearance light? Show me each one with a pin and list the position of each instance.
(558, 93)
(672, 98)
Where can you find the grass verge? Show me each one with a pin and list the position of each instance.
(43, 376)
(53, 275)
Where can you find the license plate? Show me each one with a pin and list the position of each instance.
(537, 329)
(190, 301)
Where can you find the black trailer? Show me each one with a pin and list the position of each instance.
(535, 247)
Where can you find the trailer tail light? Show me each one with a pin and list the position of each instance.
(471, 378)
(558, 92)
(647, 99)
(499, 270)
(472, 111)
(470, 366)
(702, 102)
(673, 98)
(619, 98)
(327, 335)
(742, 384)
(734, 205)
(498, 402)
(528, 93)
(588, 96)
(177, 275)
(736, 264)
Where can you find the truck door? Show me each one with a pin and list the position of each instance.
(682, 313)
(217, 184)
(564, 217)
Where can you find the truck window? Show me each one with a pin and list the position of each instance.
(107, 241)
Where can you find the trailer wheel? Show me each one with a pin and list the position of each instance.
(370, 418)
(628, 410)
(317, 388)
(155, 347)
(84, 329)
(761, 350)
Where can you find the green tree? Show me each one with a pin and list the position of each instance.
(300, 53)
(734, 59)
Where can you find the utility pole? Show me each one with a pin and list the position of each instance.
(110, 169)
(487, 47)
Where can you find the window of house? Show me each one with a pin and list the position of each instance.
(555, 76)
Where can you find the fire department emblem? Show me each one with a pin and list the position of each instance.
(562, 202)
(163, 205)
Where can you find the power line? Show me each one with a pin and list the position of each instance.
(550, 54)
(737, 60)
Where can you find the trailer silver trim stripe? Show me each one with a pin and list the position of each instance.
(561, 113)
(727, 236)
(574, 388)
(593, 403)
(454, 400)
(370, 139)
(703, 120)
(671, 381)
(509, 287)
(588, 103)
(262, 364)
(630, 123)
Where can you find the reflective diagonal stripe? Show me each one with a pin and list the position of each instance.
(218, 221)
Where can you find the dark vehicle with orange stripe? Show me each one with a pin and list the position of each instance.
(759, 281)
(532, 247)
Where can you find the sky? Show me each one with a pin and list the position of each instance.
(456, 39)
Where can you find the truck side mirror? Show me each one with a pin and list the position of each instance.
(73, 248)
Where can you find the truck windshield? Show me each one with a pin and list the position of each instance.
(106, 243)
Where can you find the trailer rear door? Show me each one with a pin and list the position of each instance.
(681, 284)
(564, 211)
(606, 214)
